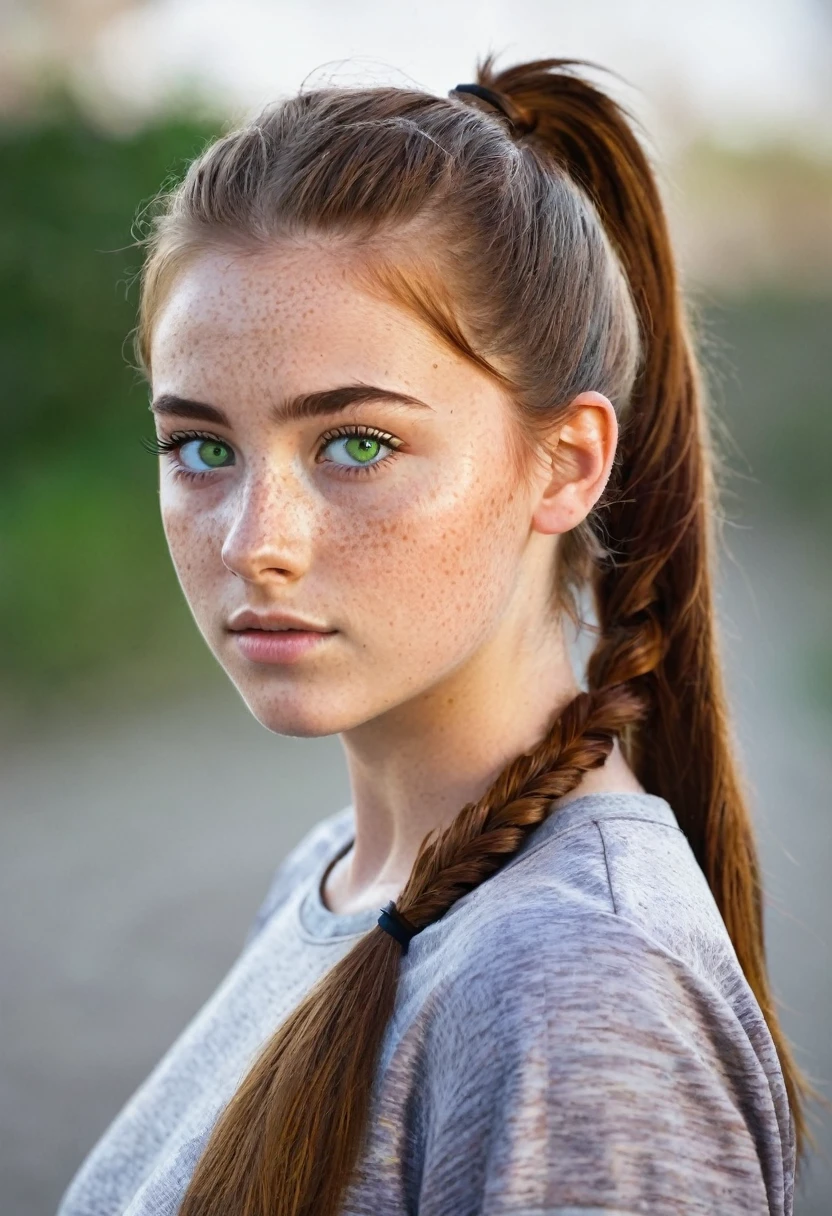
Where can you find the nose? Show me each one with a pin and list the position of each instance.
(269, 530)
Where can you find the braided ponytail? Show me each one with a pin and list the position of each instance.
(542, 293)
(653, 597)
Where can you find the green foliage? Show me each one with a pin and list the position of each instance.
(68, 199)
(85, 580)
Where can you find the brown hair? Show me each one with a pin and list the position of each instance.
(534, 241)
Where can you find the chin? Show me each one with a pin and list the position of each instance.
(298, 713)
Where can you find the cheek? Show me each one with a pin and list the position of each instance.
(433, 574)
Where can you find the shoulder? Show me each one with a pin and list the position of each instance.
(574, 973)
(603, 944)
(610, 962)
(319, 842)
(623, 860)
(602, 1066)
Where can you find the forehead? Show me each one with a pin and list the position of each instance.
(288, 309)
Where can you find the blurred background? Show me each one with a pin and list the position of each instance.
(143, 808)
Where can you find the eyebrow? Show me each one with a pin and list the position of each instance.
(292, 409)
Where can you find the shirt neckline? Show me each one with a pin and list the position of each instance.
(316, 922)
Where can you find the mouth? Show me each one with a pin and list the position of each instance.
(279, 646)
(274, 621)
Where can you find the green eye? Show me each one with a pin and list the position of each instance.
(362, 448)
(211, 452)
(354, 449)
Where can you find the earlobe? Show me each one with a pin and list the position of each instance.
(581, 456)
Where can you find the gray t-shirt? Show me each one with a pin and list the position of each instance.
(575, 1036)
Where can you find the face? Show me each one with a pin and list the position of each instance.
(396, 524)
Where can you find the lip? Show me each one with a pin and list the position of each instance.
(275, 646)
(248, 619)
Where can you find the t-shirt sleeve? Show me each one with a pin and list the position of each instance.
(578, 1067)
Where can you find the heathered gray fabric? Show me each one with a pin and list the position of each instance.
(573, 1036)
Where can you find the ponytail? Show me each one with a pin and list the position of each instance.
(541, 287)
(653, 597)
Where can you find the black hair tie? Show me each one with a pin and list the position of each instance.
(397, 925)
(500, 102)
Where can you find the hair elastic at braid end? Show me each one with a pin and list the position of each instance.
(395, 923)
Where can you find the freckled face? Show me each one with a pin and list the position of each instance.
(408, 546)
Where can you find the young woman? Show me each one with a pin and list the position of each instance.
(422, 379)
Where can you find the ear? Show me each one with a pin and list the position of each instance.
(579, 456)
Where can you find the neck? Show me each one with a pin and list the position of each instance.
(413, 768)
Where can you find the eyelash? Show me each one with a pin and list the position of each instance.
(171, 445)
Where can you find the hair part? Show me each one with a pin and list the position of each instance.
(536, 246)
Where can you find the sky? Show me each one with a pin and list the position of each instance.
(745, 71)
